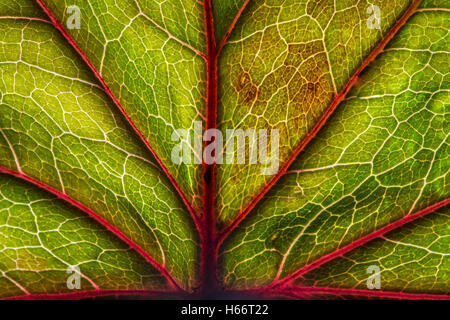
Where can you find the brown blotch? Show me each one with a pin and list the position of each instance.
(311, 93)
(247, 90)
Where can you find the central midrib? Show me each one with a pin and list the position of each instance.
(209, 283)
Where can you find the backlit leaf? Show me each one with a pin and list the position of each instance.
(357, 192)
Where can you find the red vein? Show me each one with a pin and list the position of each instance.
(98, 218)
(58, 26)
(360, 242)
(299, 291)
(25, 18)
(337, 100)
(236, 18)
(209, 257)
(86, 294)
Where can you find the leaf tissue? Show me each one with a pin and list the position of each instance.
(136, 138)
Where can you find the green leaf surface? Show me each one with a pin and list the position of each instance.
(413, 259)
(361, 179)
(383, 155)
(43, 237)
(224, 14)
(144, 51)
(280, 70)
(62, 129)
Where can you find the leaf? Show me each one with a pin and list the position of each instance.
(63, 130)
(146, 54)
(87, 118)
(45, 235)
(383, 155)
(282, 66)
(416, 253)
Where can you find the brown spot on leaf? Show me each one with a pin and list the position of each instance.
(245, 87)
